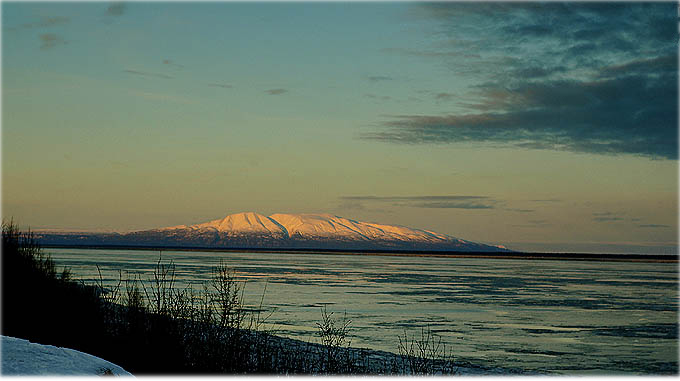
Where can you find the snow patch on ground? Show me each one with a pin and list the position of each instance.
(22, 358)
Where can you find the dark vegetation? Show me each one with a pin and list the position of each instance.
(150, 326)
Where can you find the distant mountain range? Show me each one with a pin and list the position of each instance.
(278, 231)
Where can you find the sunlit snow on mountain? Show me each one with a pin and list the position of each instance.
(251, 230)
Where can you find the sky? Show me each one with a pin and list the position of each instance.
(539, 126)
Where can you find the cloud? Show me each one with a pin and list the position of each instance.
(424, 53)
(607, 219)
(452, 205)
(666, 64)
(148, 74)
(520, 210)
(653, 226)
(534, 224)
(222, 85)
(44, 22)
(50, 40)
(351, 205)
(379, 97)
(535, 72)
(412, 198)
(359, 206)
(379, 78)
(173, 64)
(116, 9)
(53, 21)
(153, 96)
(626, 115)
(444, 96)
(276, 91)
(597, 78)
(435, 202)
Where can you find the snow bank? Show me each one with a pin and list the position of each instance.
(23, 358)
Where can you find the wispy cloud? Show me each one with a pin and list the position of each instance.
(607, 217)
(379, 78)
(172, 64)
(44, 22)
(154, 96)
(444, 96)
(52, 21)
(452, 205)
(148, 74)
(435, 202)
(580, 77)
(222, 85)
(430, 53)
(116, 9)
(276, 91)
(50, 40)
(345, 205)
(351, 205)
(520, 210)
(378, 97)
(534, 224)
(412, 198)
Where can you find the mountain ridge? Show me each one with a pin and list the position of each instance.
(282, 230)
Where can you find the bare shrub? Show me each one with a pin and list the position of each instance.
(426, 355)
(227, 297)
(334, 336)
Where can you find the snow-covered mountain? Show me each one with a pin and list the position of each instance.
(285, 231)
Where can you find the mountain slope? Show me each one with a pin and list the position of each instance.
(285, 231)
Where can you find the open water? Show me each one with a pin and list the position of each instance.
(565, 317)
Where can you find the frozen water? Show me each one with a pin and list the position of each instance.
(569, 317)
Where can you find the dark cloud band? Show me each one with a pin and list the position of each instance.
(578, 77)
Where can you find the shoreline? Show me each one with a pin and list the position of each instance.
(376, 359)
(652, 258)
